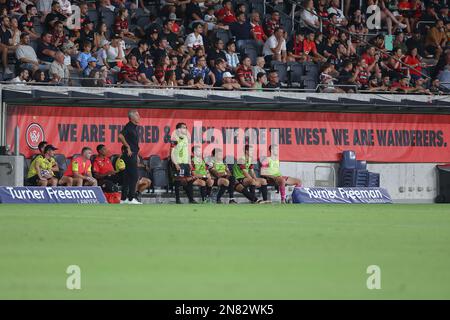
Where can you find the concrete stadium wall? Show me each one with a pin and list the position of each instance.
(406, 182)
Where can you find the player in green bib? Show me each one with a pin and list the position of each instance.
(244, 172)
(270, 170)
(222, 176)
(201, 174)
(180, 158)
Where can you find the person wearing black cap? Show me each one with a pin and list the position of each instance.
(40, 172)
(130, 140)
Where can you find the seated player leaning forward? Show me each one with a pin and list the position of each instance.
(222, 176)
(142, 184)
(80, 169)
(201, 174)
(245, 175)
(179, 157)
(103, 170)
(270, 170)
(41, 170)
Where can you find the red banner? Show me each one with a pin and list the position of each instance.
(303, 136)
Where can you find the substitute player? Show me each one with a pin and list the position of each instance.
(245, 175)
(270, 170)
(201, 174)
(179, 156)
(80, 169)
(222, 176)
(41, 172)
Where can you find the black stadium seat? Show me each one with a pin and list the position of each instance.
(281, 68)
(296, 72)
(61, 161)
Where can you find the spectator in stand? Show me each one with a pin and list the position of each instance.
(121, 25)
(91, 65)
(161, 68)
(414, 64)
(295, 48)
(100, 35)
(168, 34)
(141, 51)
(310, 48)
(436, 40)
(261, 80)
(6, 45)
(26, 22)
(54, 15)
(45, 49)
(39, 77)
(58, 36)
(231, 55)
(241, 31)
(146, 71)
(59, 73)
(362, 74)
(257, 31)
(275, 47)
(226, 14)
(216, 53)
(115, 53)
(84, 56)
(129, 73)
(203, 71)
(219, 70)
(259, 67)
(347, 77)
(273, 80)
(308, 15)
(335, 8)
(23, 77)
(195, 39)
(401, 86)
(272, 24)
(161, 49)
(26, 54)
(87, 34)
(229, 83)
(244, 73)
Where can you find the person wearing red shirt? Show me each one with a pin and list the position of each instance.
(295, 48)
(415, 64)
(226, 14)
(129, 73)
(310, 49)
(244, 73)
(80, 169)
(103, 170)
(257, 29)
(272, 24)
(121, 24)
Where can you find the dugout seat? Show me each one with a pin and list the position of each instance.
(62, 162)
(159, 173)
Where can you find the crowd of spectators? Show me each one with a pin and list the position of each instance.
(229, 44)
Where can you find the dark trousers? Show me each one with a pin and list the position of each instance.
(130, 176)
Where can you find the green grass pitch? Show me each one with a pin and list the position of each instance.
(225, 251)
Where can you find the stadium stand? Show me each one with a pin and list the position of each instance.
(322, 46)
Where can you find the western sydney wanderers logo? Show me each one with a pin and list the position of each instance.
(34, 135)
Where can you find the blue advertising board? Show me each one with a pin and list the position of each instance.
(82, 195)
(340, 195)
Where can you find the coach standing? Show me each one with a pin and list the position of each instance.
(130, 139)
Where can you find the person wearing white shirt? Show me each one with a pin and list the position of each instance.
(66, 7)
(275, 47)
(334, 8)
(195, 40)
(22, 78)
(308, 16)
